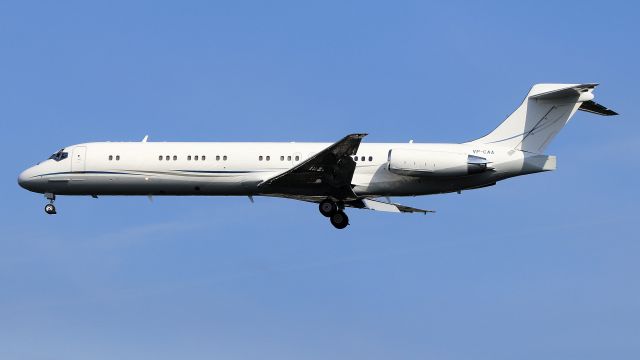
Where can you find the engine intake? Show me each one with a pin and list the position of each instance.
(426, 163)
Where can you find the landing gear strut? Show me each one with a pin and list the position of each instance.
(335, 212)
(50, 208)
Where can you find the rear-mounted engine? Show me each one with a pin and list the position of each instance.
(425, 163)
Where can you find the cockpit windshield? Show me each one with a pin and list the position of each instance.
(60, 155)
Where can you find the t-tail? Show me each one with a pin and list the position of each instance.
(543, 113)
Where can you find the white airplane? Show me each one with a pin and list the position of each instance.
(343, 174)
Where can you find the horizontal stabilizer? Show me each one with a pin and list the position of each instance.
(572, 90)
(595, 108)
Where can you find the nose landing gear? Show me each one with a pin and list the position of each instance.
(335, 212)
(50, 208)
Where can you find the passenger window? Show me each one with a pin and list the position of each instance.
(118, 157)
(268, 157)
(195, 158)
(281, 158)
(160, 157)
(203, 157)
(370, 158)
(110, 157)
(167, 157)
(260, 157)
(297, 157)
(355, 158)
(289, 158)
(362, 158)
(175, 158)
(217, 157)
(224, 158)
(189, 158)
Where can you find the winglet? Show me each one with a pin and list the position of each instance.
(146, 137)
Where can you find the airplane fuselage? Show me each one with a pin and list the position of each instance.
(238, 168)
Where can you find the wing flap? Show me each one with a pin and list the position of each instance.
(386, 206)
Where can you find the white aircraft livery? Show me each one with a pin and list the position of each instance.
(337, 175)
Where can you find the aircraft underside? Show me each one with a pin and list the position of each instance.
(331, 201)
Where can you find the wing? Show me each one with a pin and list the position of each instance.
(363, 203)
(327, 173)
(384, 206)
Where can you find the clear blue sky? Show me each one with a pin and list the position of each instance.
(539, 267)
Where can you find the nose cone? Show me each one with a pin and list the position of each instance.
(22, 179)
(25, 179)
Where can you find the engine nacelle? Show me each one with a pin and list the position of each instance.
(425, 163)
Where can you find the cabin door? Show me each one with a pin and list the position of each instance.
(78, 158)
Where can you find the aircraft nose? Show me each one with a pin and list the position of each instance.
(24, 178)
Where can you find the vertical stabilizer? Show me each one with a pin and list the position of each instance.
(543, 113)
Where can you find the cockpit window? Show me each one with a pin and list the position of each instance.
(60, 155)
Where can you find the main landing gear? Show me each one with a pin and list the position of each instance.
(50, 208)
(335, 212)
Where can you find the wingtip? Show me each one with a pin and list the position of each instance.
(359, 135)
